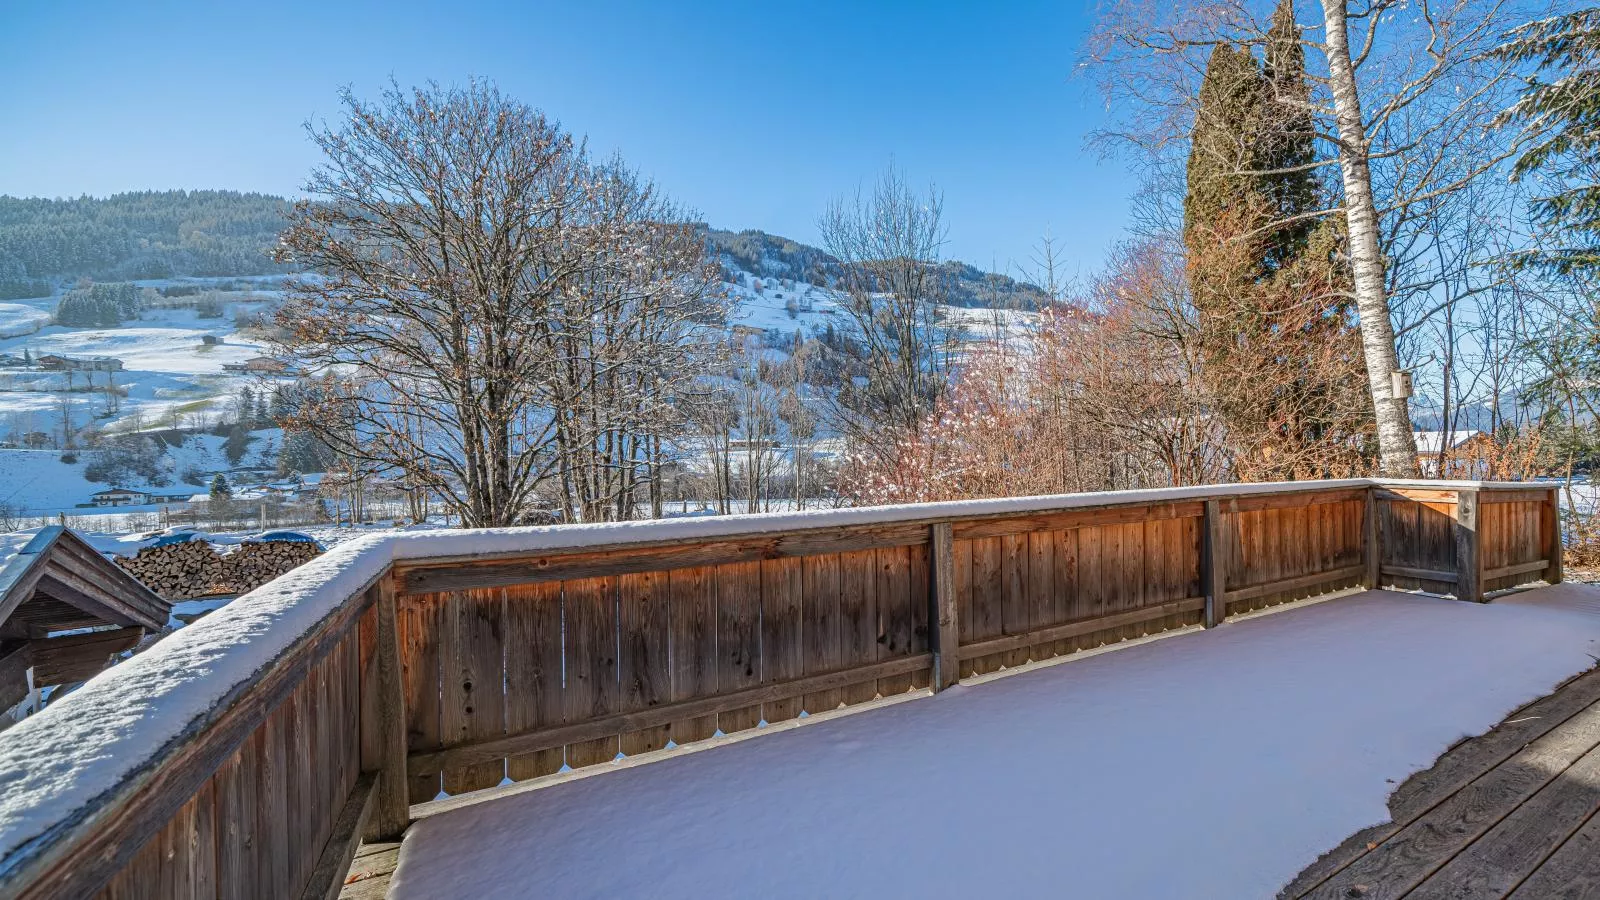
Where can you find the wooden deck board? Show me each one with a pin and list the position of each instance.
(1509, 813)
(370, 871)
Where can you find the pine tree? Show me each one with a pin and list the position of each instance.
(220, 489)
(1562, 118)
(1286, 145)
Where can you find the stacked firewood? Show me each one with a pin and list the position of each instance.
(251, 565)
(190, 569)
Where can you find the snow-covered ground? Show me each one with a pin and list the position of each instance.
(1207, 764)
(167, 370)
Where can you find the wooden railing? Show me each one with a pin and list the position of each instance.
(569, 646)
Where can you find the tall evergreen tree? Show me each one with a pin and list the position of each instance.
(1273, 323)
(1560, 110)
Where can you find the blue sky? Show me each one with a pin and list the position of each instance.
(754, 114)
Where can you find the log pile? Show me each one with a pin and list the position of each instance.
(191, 569)
(251, 565)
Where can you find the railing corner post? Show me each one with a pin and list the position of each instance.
(1551, 525)
(392, 812)
(1213, 570)
(945, 614)
(1469, 559)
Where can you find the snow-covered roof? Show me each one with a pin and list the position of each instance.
(55, 766)
(1434, 441)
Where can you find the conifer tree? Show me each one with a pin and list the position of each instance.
(1560, 110)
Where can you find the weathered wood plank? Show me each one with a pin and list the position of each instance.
(705, 706)
(946, 611)
(1123, 514)
(988, 595)
(1550, 537)
(1455, 769)
(434, 576)
(739, 639)
(1128, 618)
(1469, 561)
(1420, 574)
(922, 610)
(1213, 567)
(471, 704)
(1292, 585)
(1402, 861)
(533, 673)
(591, 664)
(333, 862)
(421, 625)
(79, 657)
(858, 606)
(1493, 865)
(893, 595)
(822, 629)
(1064, 550)
(642, 665)
(782, 632)
(1041, 588)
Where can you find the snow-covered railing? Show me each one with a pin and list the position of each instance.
(247, 753)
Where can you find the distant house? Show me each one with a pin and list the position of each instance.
(1466, 453)
(262, 365)
(119, 497)
(51, 362)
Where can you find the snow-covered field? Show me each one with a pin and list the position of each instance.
(167, 370)
(1207, 764)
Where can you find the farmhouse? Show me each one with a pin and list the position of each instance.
(1467, 453)
(262, 365)
(51, 362)
(119, 497)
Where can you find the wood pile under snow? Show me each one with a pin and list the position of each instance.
(184, 570)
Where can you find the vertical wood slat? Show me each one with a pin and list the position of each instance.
(694, 646)
(591, 663)
(738, 639)
(533, 674)
(642, 663)
(892, 593)
(945, 613)
(1468, 559)
(858, 593)
(782, 632)
(1213, 568)
(420, 618)
(922, 610)
(471, 706)
(824, 647)
(1371, 541)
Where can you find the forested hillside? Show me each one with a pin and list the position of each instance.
(165, 234)
(772, 256)
(146, 234)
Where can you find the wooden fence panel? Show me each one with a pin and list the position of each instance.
(782, 632)
(591, 663)
(643, 666)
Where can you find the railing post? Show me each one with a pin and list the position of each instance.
(1469, 562)
(1213, 570)
(1550, 524)
(1371, 543)
(945, 615)
(392, 812)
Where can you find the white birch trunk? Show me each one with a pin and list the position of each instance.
(1397, 446)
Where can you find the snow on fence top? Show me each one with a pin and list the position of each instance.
(55, 767)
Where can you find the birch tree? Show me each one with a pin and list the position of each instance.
(1402, 89)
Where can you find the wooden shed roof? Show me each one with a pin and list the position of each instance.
(58, 582)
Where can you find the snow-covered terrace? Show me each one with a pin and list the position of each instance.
(246, 754)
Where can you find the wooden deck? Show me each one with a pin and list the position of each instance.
(370, 871)
(1510, 813)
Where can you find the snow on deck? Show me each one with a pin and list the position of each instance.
(1207, 764)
